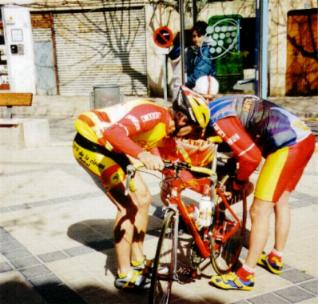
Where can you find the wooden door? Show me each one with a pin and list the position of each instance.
(302, 53)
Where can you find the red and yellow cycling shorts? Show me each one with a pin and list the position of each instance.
(109, 167)
(283, 169)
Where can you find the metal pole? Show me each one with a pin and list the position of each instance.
(257, 48)
(194, 11)
(165, 90)
(262, 52)
(182, 47)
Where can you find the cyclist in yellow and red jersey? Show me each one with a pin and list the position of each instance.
(105, 142)
(256, 128)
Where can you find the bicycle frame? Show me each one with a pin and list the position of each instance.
(237, 224)
(175, 202)
(176, 186)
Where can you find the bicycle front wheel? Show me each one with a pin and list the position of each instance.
(164, 268)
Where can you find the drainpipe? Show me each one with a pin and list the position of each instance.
(182, 47)
(194, 11)
(262, 71)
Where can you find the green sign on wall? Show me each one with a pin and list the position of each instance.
(223, 38)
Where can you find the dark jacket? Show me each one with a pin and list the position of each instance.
(198, 63)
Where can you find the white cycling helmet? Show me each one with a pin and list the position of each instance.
(206, 85)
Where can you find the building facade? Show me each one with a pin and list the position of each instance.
(81, 44)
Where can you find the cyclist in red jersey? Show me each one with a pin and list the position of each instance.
(256, 128)
(107, 140)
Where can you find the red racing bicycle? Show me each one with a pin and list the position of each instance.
(221, 242)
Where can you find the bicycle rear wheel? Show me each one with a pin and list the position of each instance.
(225, 251)
(164, 268)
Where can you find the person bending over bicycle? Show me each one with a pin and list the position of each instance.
(105, 140)
(256, 128)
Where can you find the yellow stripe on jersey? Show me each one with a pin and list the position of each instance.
(184, 154)
(270, 174)
(149, 139)
(93, 117)
(208, 158)
(86, 131)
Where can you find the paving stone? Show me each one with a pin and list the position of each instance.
(294, 294)
(15, 251)
(80, 250)
(35, 271)
(52, 256)
(5, 209)
(286, 267)
(54, 201)
(42, 203)
(311, 286)
(4, 236)
(88, 237)
(5, 267)
(49, 202)
(268, 298)
(24, 262)
(19, 207)
(9, 241)
(300, 203)
(295, 276)
(101, 245)
(304, 199)
(46, 279)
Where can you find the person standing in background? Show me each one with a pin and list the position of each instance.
(198, 62)
(199, 66)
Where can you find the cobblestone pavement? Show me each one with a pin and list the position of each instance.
(56, 236)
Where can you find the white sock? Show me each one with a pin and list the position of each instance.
(248, 268)
(277, 253)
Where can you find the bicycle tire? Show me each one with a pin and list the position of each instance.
(163, 272)
(225, 254)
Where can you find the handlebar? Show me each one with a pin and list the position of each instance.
(177, 166)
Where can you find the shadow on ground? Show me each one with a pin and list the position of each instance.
(97, 234)
(12, 292)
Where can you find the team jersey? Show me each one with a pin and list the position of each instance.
(196, 152)
(128, 128)
(270, 126)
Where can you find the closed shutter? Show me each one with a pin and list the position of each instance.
(101, 48)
